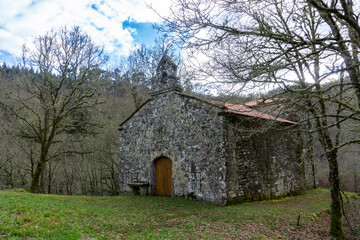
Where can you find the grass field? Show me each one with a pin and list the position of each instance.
(36, 216)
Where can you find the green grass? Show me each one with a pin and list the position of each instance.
(38, 216)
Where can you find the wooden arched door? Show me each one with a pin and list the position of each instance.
(163, 177)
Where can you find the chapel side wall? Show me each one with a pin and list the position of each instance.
(263, 162)
(305, 139)
(186, 130)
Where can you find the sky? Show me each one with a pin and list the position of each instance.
(118, 25)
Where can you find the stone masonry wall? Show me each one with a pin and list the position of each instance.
(184, 129)
(262, 161)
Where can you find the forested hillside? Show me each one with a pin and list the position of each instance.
(91, 171)
(60, 114)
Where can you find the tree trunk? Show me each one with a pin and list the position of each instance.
(36, 177)
(336, 229)
(49, 179)
(42, 184)
(309, 146)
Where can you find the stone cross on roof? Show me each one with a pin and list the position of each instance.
(166, 78)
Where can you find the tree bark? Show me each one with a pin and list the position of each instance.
(42, 183)
(36, 177)
(336, 228)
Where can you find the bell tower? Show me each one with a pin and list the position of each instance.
(166, 78)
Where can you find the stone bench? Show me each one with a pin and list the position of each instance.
(139, 188)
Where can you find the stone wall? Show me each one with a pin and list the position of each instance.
(263, 161)
(186, 130)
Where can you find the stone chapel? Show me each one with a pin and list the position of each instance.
(178, 145)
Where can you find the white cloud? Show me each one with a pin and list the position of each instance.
(22, 20)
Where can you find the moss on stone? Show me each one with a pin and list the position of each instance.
(252, 197)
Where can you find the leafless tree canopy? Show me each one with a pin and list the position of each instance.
(307, 50)
(54, 102)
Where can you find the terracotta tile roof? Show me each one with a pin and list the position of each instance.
(261, 101)
(247, 111)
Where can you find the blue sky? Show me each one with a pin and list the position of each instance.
(144, 31)
(119, 25)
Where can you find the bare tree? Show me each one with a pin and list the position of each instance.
(342, 18)
(52, 106)
(283, 44)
